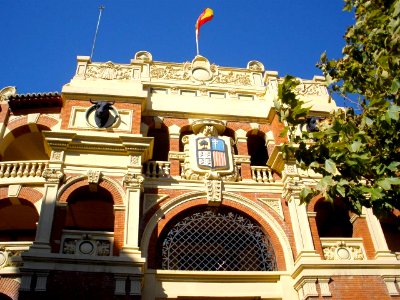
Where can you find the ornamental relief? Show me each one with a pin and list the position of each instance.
(343, 251)
(310, 89)
(108, 71)
(186, 72)
(170, 72)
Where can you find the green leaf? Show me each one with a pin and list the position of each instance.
(306, 194)
(330, 167)
(393, 166)
(355, 146)
(395, 86)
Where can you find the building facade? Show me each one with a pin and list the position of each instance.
(154, 180)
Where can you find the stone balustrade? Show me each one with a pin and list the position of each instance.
(22, 169)
(157, 169)
(261, 174)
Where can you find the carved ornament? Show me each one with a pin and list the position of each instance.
(109, 71)
(52, 175)
(133, 180)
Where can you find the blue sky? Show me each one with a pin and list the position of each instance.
(41, 39)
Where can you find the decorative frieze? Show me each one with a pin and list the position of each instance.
(311, 89)
(109, 71)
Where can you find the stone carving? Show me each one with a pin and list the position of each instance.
(171, 72)
(86, 246)
(255, 66)
(93, 179)
(232, 78)
(109, 71)
(342, 251)
(310, 89)
(135, 160)
(93, 176)
(275, 204)
(52, 175)
(214, 188)
(56, 155)
(10, 255)
(133, 180)
(6, 92)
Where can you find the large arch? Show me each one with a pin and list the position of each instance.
(268, 223)
(23, 139)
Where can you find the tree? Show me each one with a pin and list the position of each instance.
(357, 154)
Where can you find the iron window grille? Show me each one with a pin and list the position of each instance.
(217, 241)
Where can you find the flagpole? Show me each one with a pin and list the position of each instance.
(197, 42)
(101, 8)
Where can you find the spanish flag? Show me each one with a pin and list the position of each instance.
(205, 16)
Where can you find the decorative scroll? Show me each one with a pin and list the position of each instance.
(216, 240)
(109, 71)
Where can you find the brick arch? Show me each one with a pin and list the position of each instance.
(192, 200)
(43, 122)
(27, 193)
(82, 181)
(9, 287)
(21, 126)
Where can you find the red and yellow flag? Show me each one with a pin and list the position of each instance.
(205, 16)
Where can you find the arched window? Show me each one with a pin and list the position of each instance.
(332, 219)
(17, 221)
(210, 240)
(89, 210)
